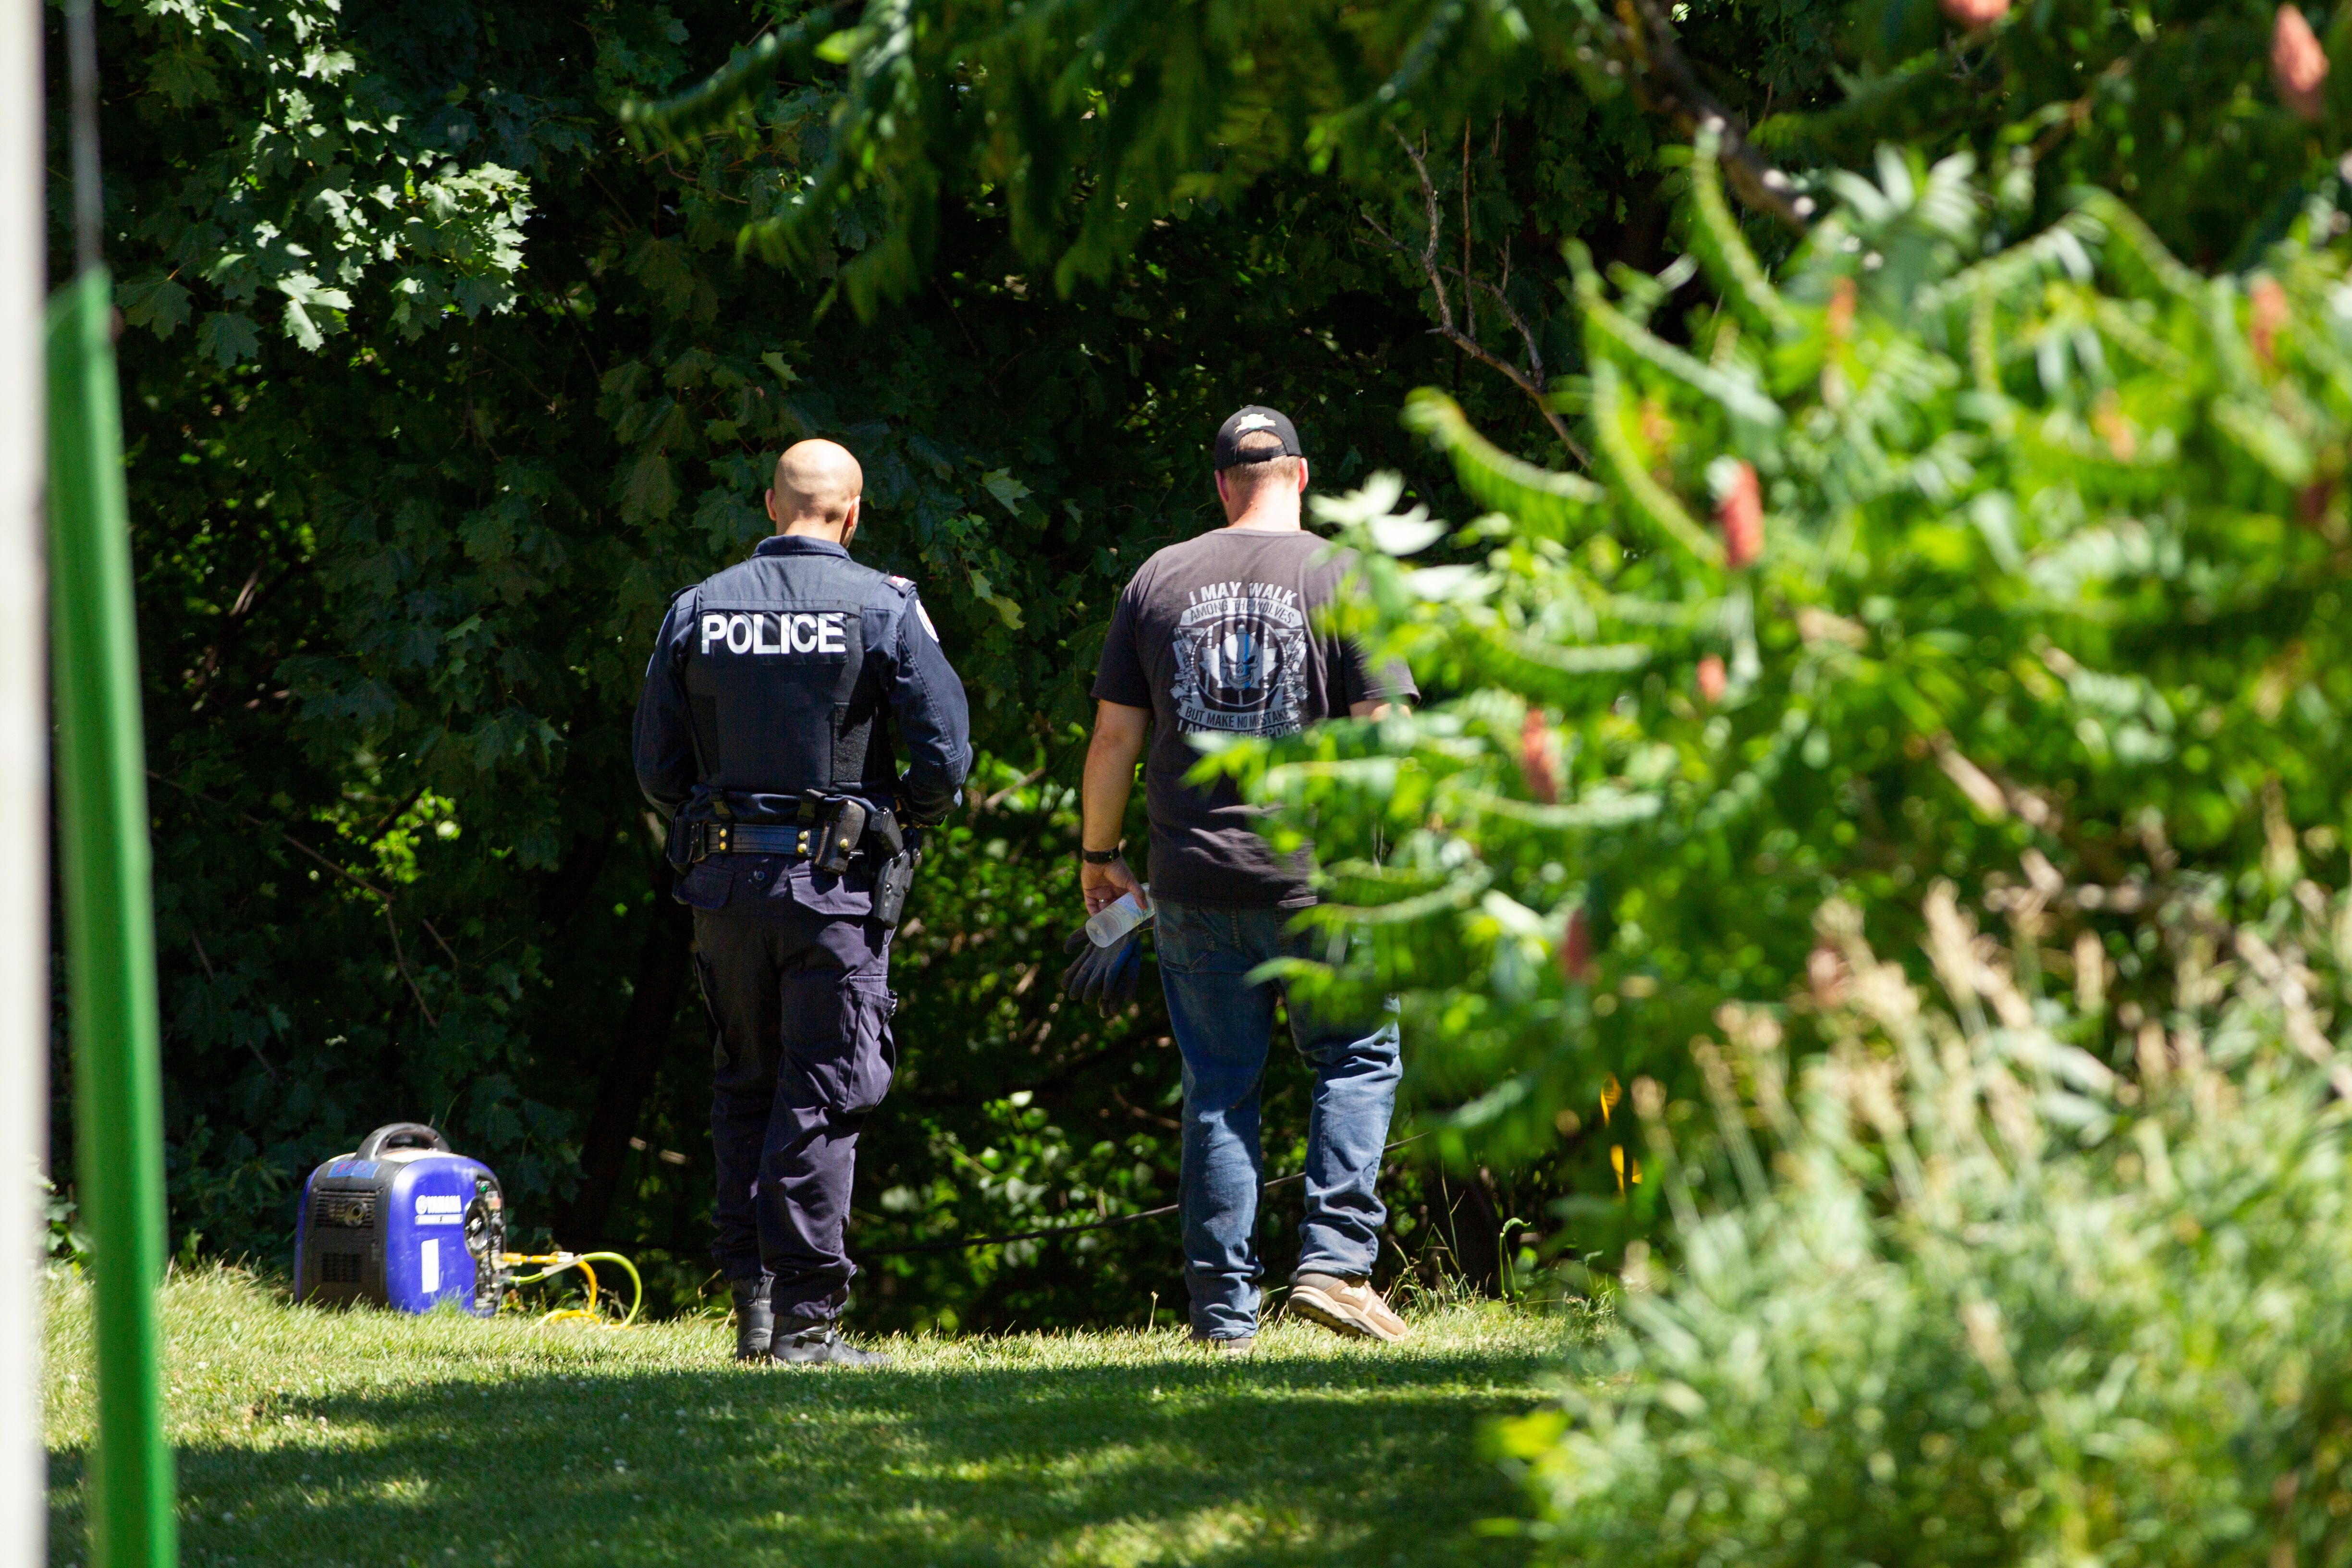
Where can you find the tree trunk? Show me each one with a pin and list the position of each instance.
(1472, 1226)
(630, 1070)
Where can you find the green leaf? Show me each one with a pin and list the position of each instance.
(229, 336)
(153, 300)
(1718, 243)
(716, 101)
(183, 74)
(648, 491)
(1408, 534)
(1602, 809)
(302, 293)
(666, 266)
(1651, 500)
(1456, 583)
(727, 523)
(306, 289)
(1552, 503)
(986, 592)
(1736, 391)
(1009, 491)
(2265, 437)
(840, 48)
(301, 327)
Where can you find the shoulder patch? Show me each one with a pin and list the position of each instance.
(904, 585)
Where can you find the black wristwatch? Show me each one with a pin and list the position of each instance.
(1100, 857)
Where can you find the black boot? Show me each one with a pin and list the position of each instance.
(822, 1346)
(755, 1320)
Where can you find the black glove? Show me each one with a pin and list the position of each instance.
(1105, 977)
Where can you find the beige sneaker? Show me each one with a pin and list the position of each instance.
(1240, 1344)
(1350, 1307)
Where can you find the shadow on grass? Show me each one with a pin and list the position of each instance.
(1359, 1461)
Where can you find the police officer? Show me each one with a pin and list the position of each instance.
(766, 734)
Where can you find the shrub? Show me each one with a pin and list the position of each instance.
(1997, 1304)
(2048, 600)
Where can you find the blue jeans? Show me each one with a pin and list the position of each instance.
(1223, 1028)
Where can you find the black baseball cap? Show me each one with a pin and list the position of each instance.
(1248, 422)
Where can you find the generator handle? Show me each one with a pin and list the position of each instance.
(401, 1134)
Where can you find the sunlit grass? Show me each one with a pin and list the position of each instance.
(367, 1439)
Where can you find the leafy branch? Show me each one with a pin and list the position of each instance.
(1665, 85)
(399, 953)
(1532, 380)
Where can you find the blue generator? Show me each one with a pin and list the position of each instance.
(402, 1222)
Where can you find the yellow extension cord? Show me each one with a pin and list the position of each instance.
(558, 1262)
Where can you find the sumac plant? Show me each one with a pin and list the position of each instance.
(2021, 567)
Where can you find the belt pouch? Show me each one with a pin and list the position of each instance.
(845, 831)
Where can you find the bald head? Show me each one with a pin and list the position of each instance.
(817, 488)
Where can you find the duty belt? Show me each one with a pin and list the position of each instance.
(708, 839)
(831, 831)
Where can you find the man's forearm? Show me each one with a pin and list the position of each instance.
(1102, 794)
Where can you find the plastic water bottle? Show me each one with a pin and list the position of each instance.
(1115, 921)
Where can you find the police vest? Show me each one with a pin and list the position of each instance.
(782, 694)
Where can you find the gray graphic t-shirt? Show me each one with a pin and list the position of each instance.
(1218, 635)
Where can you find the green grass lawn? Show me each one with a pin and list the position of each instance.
(370, 1439)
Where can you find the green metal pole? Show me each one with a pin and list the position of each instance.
(108, 880)
(109, 926)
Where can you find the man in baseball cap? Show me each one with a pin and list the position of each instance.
(1221, 634)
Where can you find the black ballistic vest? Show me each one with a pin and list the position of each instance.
(782, 696)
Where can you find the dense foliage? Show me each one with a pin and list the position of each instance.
(1949, 555)
(2023, 570)
(437, 387)
(440, 384)
(398, 582)
(1973, 529)
(1998, 1304)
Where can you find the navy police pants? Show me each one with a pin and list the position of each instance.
(801, 1051)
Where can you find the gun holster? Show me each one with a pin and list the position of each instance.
(891, 882)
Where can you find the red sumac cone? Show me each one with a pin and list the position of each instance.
(1839, 316)
(1974, 13)
(2268, 314)
(2298, 65)
(1711, 679)
(1536, 763)
(1741, 513)
(1576, 949)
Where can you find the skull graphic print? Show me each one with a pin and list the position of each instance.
(1241, 660)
